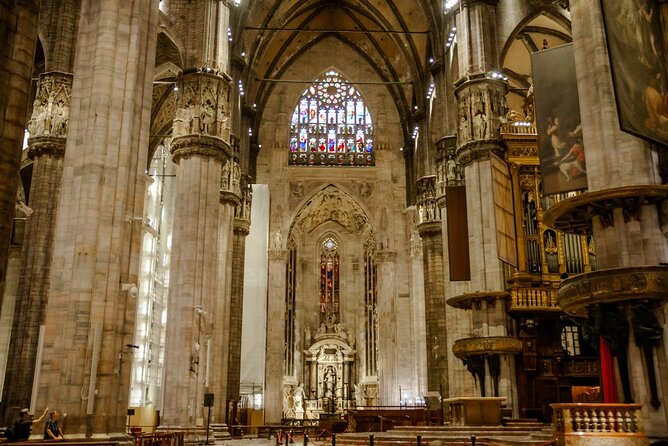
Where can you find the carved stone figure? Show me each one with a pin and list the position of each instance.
(278, 239)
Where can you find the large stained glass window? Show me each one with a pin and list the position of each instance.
(331, 126)
(329, 282)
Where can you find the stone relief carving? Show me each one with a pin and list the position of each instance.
(297, 189)
(366, 189)
(203, 105)
(482, 107)
(331, 204)
(51, 108)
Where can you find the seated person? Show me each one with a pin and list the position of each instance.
(22, 428)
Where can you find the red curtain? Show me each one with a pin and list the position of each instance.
(607, 373)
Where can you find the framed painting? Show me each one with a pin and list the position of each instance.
(560, 146)
(639, 66)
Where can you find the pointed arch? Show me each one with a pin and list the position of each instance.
(331, 203)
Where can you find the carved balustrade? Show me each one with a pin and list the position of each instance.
(594, 424)
(533, 299)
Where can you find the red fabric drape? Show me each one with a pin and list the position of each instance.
(607, 373)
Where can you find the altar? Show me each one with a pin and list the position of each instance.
(473, 411)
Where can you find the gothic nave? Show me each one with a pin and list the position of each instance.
(303, 207)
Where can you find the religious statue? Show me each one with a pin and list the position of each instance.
(278, 239)
(298, 397)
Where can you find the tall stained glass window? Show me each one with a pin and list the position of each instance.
(329, 282)
(331, 126)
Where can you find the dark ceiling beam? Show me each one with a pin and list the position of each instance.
(298, 81)
(340, 31)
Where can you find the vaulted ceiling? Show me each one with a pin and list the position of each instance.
(394, 36)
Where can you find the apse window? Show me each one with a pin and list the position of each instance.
(331, 125)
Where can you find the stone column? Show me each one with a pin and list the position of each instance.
(417, 309)
(48, 130)
(449, 173)
(196, 316)
(241, 230)
(429, 228)
(18, 30)
(90, 317)
(627, 235)
(388, 384)
(480, 93)
(275, 353)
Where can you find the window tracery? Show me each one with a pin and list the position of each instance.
(331, 125)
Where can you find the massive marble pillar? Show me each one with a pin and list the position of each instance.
(450, 174)
(46, 147)
(241, 230)
(194, 349)
(429, 228)
(388, 360)
(418, 320)
(89, 316)
(627, 229)
(480, 94)
(18, 32)
(275, 350)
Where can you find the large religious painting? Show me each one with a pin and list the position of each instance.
(639, 66)
(560, 146)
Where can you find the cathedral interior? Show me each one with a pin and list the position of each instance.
(301, 208)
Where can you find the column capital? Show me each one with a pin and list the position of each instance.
(184, 147)
(229, 197)
(51, 107)
(426, 199)
(203, 104)
(241, 227)
(479, 151)
(46, 145)
(429, 228)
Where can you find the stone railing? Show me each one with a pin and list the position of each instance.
(528, 298)
(598, 424)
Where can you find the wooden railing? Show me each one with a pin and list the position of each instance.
(529, 298)
(599, 423)
(159, 439)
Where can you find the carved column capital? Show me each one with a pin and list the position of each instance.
(241, 227)
(429, 228)
(203, 104)
(481, 100)
(228, 197)
(426, 205)
(51, 108)
(46, 145)
(184, 147)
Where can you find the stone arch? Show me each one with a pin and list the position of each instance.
(331, 203)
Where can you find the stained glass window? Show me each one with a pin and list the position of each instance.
(331, 125)
(329, 282)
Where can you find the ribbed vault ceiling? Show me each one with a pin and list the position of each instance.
(393, 36)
